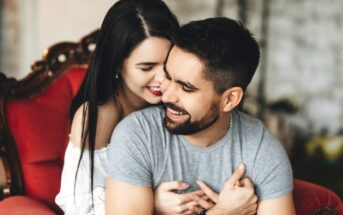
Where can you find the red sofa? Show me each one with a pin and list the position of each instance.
(34, 128)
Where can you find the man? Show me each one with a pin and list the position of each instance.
(204, 138)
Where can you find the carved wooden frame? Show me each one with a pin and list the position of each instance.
(54, 63)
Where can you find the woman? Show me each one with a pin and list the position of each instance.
(124, 75)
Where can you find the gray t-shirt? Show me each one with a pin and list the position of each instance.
(143, 152)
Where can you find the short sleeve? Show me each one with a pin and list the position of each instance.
(272, 177)
(129, 157)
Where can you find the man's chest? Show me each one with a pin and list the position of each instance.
(214, 168)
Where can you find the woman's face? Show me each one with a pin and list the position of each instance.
(143, 70)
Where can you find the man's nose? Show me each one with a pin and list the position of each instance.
(169, 92)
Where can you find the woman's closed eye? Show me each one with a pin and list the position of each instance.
(146, 69)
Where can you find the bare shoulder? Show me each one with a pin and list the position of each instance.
(108, 117)
(76, 126)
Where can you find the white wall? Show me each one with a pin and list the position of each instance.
(46, 22)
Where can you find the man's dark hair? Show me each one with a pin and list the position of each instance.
(227, 49)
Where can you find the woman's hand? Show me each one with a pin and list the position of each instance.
(212, 197)
(236, 197)
(167, 202)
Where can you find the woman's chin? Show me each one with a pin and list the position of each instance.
(154, 101)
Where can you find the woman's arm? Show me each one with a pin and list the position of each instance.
(80, 201)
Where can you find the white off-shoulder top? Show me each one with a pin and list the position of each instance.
(82, 203)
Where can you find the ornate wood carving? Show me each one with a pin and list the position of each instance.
(56, 60)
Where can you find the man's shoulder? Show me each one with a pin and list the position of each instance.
(140, 129)
(250, 126)
(150, 112)
(267, 161)
(152, 115)
(256, 134)
(248, 120)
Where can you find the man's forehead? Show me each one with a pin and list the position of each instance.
(186, 67)
(183, 60)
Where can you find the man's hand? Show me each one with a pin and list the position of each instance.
(236, 198)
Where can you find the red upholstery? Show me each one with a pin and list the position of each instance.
(40, 127)
(308, 197)
(21, 205)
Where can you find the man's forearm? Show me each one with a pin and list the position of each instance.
(220, 211)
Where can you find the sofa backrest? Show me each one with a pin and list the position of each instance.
(40, 128)
(35, 122)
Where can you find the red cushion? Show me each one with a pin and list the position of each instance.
(21, 205)
(308, 197)
(40, 124)
(42, 181)
(40, 127)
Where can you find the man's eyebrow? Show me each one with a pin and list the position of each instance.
(187, 84)
(146, 64)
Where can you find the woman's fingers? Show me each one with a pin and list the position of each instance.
(173, 185)
(210, 193)
(205, 204)
(187, 208)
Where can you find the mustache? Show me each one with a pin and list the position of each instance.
(174, 107)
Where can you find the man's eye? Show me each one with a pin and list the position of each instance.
(146, 69)
(187, 89)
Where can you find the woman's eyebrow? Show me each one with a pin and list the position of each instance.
(146, 64)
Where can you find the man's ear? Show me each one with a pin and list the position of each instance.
(231, 98)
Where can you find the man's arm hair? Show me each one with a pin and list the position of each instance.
(122, 198)
(280, 206)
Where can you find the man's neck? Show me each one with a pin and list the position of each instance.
(212, 134)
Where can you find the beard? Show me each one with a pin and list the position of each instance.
(190, 127)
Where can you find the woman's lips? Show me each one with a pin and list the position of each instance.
(155, 91)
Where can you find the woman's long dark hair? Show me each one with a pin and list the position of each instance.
(126, 24)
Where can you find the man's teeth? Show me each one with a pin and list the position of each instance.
(157, 89)
(175, 112)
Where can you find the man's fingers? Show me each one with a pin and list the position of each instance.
(236, 175)
(189, 212)
(189, 208)
(198, 192)
(173, 185)
(183, 208)
(196, 209)
(188, 197)
(203, 203)
(210, 193)
(246, 182)
(252, 209)
(254, 199)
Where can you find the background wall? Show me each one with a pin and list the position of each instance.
(302, 62)
(31, 26)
